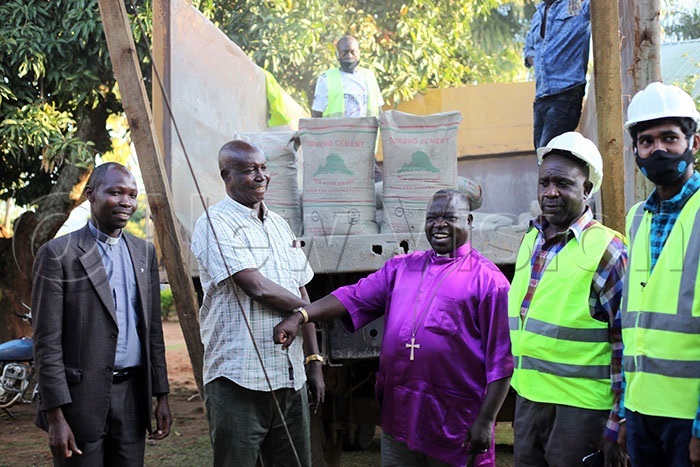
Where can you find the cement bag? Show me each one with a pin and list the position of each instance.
(420, 157)
(283, 163)
(338, 175)
(472, 190)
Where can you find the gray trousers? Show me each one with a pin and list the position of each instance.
(244, 424)
(123, 442)
(553, 435)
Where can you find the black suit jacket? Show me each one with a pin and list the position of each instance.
(75, 330)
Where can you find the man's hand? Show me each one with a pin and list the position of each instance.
(479, 437)
(529, 61)
(614, 454)
(622, 436)
(694, 449)
(163, 418)
(285, 331)
(61, 439)
(314, 376)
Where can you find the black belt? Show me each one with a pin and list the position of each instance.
(124, 374)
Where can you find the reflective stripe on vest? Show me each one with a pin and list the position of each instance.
(561, 354)
(336, 97)
(661, 318)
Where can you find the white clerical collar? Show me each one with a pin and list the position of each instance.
(103, 237)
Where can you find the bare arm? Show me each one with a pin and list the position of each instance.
(314, 369)
(325, 309)
(481, 431)
(267, 292)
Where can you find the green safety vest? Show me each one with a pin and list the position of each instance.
(276, 108)
(336, 97)
(561, 354)
(661, 317)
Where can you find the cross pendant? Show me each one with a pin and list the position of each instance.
(412, 346)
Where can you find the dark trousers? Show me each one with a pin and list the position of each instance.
(556, 114)
(554, 435)
(396, 454)
(658, 441)
(124, 439)
(244, 424)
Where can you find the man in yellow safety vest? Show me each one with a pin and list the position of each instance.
(562, 305)
(661, 309)
(348, 90)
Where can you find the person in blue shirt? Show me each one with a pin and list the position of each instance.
(557, 46)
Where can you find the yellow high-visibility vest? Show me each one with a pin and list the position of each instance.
(661, 317)
(336, 97)
(561, 354)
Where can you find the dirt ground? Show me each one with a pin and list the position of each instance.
(22, 444)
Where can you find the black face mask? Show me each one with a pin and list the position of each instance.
(665, 168)
(348, 66)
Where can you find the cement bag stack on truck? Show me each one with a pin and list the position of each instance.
(284, 162)
(420, 157)
(339, 194)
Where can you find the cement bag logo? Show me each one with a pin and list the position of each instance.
(420, 168)
(334, 172)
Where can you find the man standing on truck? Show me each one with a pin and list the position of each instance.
(253, 272)
(347, 91)
(445, 362)
(557, 46)
(562, 307)
(661, 306)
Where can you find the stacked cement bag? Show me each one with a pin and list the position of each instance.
(338, 175)
(420, 157)
(283, 163)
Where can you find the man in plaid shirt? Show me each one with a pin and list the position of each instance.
(562, 305)
(253, 275)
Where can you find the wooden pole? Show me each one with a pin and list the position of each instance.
(647, 67)
(125, 63)
(606, 58)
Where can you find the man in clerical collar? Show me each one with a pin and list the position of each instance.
(445, 362)
(98, 336)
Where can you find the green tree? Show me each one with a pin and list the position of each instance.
(682, 20)
(412, 45)
(57, 88)
(56, 93)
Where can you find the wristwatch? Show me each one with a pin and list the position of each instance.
(303, 312)
(314, 357)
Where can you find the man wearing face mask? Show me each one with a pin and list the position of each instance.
(349, 90)
(661, 309)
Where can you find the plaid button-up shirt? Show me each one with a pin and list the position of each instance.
(246, 242)
(606, 290)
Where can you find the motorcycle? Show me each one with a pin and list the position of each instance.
(17, 369)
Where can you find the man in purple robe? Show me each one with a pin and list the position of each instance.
(445, 363)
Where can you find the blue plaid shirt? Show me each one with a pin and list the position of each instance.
(664, 216)
(665, 213)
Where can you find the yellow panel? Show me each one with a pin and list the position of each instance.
(497, 118)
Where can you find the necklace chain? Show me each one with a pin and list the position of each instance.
(415, 324)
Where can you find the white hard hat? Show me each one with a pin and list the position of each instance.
(580, 147)
(659, 100)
